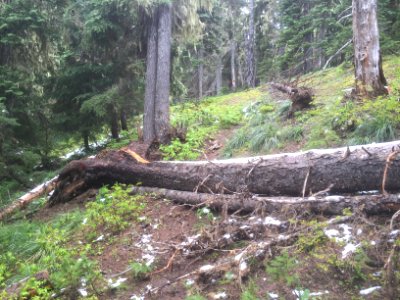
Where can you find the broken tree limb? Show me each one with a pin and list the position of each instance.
(24, 200)
(301, 97)
(329, 205)
(271, 175)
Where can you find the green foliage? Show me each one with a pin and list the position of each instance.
(113, 210)
(282, 268)
(195, 297)
(140, 270)
(250, 292)
(28, 248)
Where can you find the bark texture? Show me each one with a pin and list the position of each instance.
(328, 205)
(341, 170)
(163, 74)
(250, 76)
(151, 75)
(201, 72)
(370, 81)
(156, 125)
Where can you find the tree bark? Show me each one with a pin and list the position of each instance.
(341, 170)
(250, 45)
(162, 124)
(114, 124)
(370, 81)
(201, 71)
(85, 136)
(151, 76)
(328, 205)
(218, 76)
(233, 67)
(124, 123)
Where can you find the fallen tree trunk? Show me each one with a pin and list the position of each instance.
(341, 170)
(301, 97)
(328, 205)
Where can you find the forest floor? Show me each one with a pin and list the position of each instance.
(109, 244)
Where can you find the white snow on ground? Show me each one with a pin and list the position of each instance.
(206, 268)
(134, 297)
(348, 249)
(272, 221)
(117, 283)
(221, 295)
(370, 290)
(300, 293)
(273, 295)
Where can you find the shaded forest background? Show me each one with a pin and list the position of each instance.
(74, 70)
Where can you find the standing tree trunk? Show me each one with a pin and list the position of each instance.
(124, 123)
(233, 69)
(85, 135)
(114, 124)
(250, 58)
(201, 71)
(151, 76)
(218, 76)
(370, 81)
(162, 127)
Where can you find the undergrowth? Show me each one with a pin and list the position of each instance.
(28, 248)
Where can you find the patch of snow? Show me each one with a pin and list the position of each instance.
(348, 249)
(312, 198)
(146, 238)
(100, 238)
(377, 274)
(334, 198)
(251, 235)
(370, 290)
(155, 226)
(373, 243)
(189, 282)
(272, 221)
(206, 268)
(84, 221)
(142, 218)
(394, 233)
(239, 256)
(148, 287)
(220, 295)
(346, 232)
(149, 259)
(319, 293)
(331, 233)
(134, 297)
(117, 283)
(243, 266)
(102, 199)
(244, 227)
(359, 231)
(205, 210)
(83, 292)
(226, 236)
(92, 156)
(273, 295)
(373, 192)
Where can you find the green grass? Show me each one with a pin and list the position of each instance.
(28, 247)
(332, 121)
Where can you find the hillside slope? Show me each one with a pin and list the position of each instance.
(109, 244)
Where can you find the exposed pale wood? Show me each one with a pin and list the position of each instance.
(24, 200)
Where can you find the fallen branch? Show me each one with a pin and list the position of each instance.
(29, 197)
(329, 205)
(336, 53)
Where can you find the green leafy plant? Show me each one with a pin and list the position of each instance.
(140, 270)
(250, 292)
(113, 209)
(282, 268)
